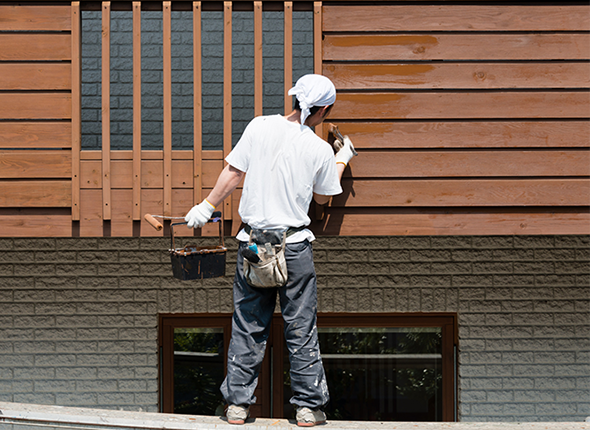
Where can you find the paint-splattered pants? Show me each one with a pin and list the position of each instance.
(252, 317)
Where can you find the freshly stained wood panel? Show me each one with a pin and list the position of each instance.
(426, 105)
(485, 192)
(91, 213)
(422, 164)
(456, 18)
(35, 47)
(35, 106)
(35, 134)
(37, 17)
(453, 222)
(402, 47)
(39, 76)
(35, 164)
(462, 75)
(35, 194)
(460, 134)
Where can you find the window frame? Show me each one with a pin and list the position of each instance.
(168, 322)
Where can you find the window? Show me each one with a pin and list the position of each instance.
(379, 367)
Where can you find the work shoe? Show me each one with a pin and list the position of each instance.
(308, 417)
(237, 414)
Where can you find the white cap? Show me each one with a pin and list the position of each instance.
(313, 90)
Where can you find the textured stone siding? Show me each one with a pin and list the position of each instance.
(182, 75)
(79, 317)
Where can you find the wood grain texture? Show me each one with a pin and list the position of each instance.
(76, 86)
(288, 53)
(453, 105)
(29, 134)
(39, 194)
(472, 134)
(453, 222)
(167, 97)
(455, 192)
(35, 18)
(458, 76)
(35, 225)
(151, 173)
(402, 47)
(136, 111)
(38, 76)
(35, 47)
(422, 164)
(455, 18)
(35, 164)
(106, 109)
(35, 105)
(197, 104)
(258, 69)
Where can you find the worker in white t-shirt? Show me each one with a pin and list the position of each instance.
(285, 165)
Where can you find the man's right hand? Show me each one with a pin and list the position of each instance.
(346, 152)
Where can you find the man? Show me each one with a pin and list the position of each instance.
(285, 165)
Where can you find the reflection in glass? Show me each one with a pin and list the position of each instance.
(198, 371)
(380, 374)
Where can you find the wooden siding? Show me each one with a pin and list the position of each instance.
(35, 120)
(468, 119)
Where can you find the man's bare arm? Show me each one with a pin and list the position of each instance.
(227, 182)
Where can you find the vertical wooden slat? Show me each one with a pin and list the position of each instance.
(227, 92)
(317, 37)
(136, 110)
(257, 58)
(288, 49)
(106, 110)
(76, 109)
(197, 105)
(167, 74)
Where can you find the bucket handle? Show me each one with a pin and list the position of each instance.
(215, 217)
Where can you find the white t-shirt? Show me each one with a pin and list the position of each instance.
(285, 164)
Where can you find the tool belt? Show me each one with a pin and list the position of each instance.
(268, 249)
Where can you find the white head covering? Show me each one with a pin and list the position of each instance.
(313, 90)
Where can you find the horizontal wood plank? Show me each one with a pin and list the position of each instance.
(35, 164)
(35, 106)
(455, 18)
(402, 47)
(454, 105)
(38, 76)
(35, 47)
(151, 177)
(35, 194)
(151, 155)
(470, 134)
(458, 76)
(342, 222)
(23, 134)
(41, 225)
(454, 192)
(35, 18)
(422, 164)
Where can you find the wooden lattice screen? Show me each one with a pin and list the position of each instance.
(469, 118)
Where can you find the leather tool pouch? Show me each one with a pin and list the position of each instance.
(271, 270)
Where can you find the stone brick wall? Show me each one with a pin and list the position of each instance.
(182, 75)
(79, 317)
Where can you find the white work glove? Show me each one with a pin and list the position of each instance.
(345, 154)
(198, 216)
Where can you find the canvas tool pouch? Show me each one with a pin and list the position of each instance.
(271, 270)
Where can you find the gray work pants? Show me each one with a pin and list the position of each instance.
(252, 317)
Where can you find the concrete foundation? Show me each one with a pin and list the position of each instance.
(20, 416)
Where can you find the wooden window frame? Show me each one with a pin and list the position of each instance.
(448, 322)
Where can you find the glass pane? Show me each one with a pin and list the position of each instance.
(380, 374)
(198, 371)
